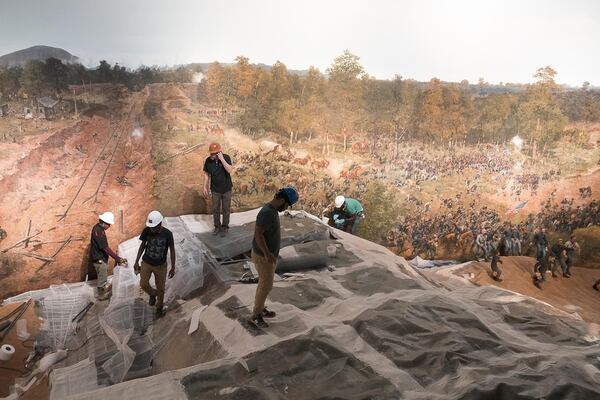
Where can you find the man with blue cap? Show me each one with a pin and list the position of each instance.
(265, 250)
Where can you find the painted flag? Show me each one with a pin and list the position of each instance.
(516, 208)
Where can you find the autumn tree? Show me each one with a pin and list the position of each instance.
(344, 93)
(430, 113)
(539, 114)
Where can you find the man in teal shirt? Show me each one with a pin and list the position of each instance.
(353, 208)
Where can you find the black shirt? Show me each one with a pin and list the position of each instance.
(157, 245)
(220, 179)
(557, 250)
(98, 242)
(268, 218)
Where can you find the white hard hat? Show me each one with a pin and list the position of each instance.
(154, 218)
(339, 201)
(107, 217)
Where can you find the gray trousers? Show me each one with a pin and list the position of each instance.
(221, 203)
(102, 272)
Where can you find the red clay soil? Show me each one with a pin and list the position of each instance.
(568, 294)
(564, 188)
(45, 181)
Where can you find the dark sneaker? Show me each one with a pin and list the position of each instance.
(257, 320)
(216, 230)
(224, 231)
(152, 300)
(160, 312)
(268, 314)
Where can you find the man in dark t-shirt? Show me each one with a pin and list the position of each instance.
(100, 251)
(217, 181)
(157, 241)
(265, 250)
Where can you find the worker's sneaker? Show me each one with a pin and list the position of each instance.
(258, 321)
(152, 300)
(224, 231)
(216, 230)
(268, 314)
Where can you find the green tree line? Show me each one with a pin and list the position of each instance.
(38, 78)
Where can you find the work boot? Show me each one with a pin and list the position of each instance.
(268, 314)
(152, 300)
(258, 321)
(216, 230)
(224, 231)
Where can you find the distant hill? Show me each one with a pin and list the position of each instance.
(39, 53)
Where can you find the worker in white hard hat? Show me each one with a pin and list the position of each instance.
(352, 210)
(99, 252)
(157, 241)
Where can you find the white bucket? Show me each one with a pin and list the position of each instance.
(331, 250)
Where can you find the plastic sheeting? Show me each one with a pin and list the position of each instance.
(120, 322)
(59, 306)
(77, 378)
(189, 276)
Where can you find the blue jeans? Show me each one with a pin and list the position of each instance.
(508, 246)
(540, 251)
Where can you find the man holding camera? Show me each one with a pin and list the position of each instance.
(217, 181)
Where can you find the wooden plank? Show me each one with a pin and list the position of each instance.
(20, 242)
(27, 234)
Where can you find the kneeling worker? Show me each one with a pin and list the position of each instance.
(156, 242)
(353, 208)
(265, 250)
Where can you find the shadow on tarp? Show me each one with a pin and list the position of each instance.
(437, 342)
(308, 367)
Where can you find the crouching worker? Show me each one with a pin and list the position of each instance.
(156, 242)
(352, 210)
(265, 250)
(99, 253)
(496, 271)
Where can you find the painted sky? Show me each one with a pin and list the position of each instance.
(501, 41)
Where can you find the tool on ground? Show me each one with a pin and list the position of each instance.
(82, 313)
(4, 325)
(22, 308)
